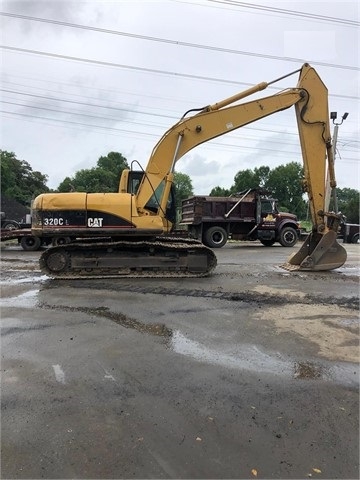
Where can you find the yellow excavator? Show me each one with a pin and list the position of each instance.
(129, 233)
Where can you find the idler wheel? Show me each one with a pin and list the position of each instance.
(57, 262)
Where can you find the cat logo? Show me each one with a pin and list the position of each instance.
(95, 222)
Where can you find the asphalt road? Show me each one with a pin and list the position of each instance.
(250, 373)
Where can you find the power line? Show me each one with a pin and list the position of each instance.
(76, 102)
(175, 42)
(84, 103)
(174, 117)
(294, 13)
(132, 132)
(142, 69)
(138, 123)
(334, 95)
(229, 147)
(82, 86)
(111, 107)
(81, 114)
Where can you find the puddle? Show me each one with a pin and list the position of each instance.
(248, 358)
(252, 359)
(349, 270)
(19, 281)
(24, 300)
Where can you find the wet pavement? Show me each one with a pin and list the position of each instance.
(252, 372)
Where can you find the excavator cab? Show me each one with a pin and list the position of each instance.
(130, 182)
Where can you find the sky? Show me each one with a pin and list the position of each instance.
(80, 79)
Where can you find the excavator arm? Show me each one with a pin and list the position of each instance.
(310, 98)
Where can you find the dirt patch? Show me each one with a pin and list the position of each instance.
(279, 291)
(335, 330)
(157, 329)
(307, 370)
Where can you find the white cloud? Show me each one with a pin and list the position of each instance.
(144, 104)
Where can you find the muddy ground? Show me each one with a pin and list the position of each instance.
(252, 372)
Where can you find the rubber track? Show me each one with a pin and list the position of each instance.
(166, 244)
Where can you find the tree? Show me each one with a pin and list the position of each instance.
(348, 204)
(285, 182)
(18, 180)
(243, 180)
(183, 187)
(102, 178)
(113, 162)
(246, 179)
(220, 192)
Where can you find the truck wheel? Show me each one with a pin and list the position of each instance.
(355, 238)
(30, 243)
(288, 237)
(215, 237)
(267, 243)
(60, 241)
(10, 226)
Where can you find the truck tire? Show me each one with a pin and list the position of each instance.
(215, 237)
(30, 243)
(288, 237)
(267, 243)
(355, 238)
(11, 225)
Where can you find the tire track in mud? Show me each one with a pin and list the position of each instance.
(245, 296)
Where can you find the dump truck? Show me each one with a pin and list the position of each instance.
(249, 215)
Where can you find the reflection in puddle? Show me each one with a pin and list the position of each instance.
(24, 300)
(349, 270)
(248, 358)
(19, 281)
(252, 359)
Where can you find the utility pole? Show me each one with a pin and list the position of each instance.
(333, 117)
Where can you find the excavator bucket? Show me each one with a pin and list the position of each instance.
(318, 252)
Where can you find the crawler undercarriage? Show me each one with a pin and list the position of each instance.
(162, 257)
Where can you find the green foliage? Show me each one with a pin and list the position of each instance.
(183, 187)
(245, 179)
(18, 180)
(102, 178)
(349, 204)
(220, 192)
(285, 182)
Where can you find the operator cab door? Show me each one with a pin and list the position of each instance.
(134, 180)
